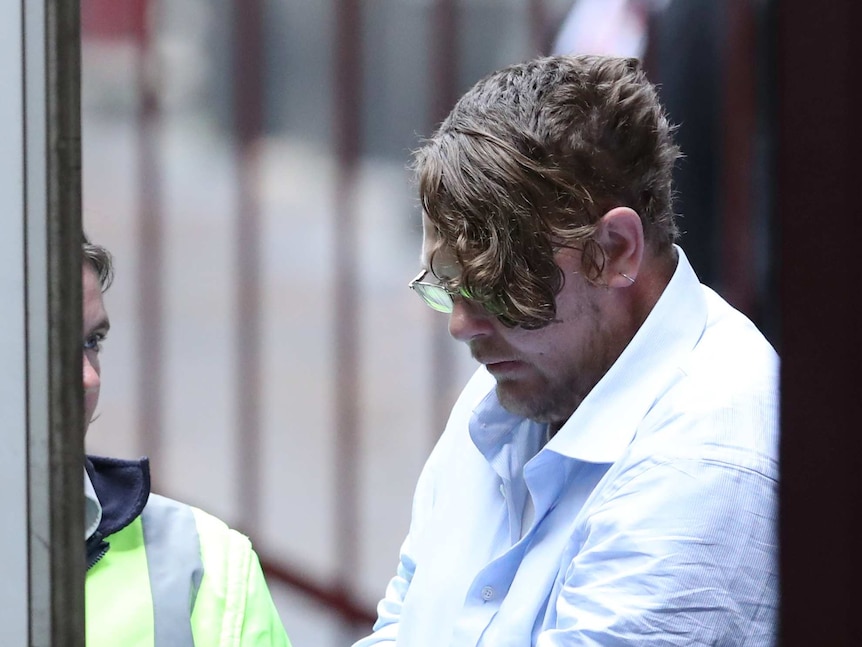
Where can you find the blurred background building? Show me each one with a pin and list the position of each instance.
(246, 163)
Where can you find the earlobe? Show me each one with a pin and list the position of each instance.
(621, 236)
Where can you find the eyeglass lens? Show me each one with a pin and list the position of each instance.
(435, 296)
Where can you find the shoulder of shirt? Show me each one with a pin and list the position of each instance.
(731, 359)
(722, 405)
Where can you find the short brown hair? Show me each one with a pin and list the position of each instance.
(529, 160)
(100, 260)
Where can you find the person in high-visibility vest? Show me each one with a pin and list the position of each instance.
(160, 573)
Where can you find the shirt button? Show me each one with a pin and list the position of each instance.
(487, 593)
(503, 490)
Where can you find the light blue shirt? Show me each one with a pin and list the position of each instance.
(649, 519)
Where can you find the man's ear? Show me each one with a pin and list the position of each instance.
(621, 236)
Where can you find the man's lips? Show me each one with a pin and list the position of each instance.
(498, 367)
(495, 360)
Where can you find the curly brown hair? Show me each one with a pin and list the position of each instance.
(526, 164)
(100, 260)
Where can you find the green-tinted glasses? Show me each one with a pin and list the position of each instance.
(435, 295)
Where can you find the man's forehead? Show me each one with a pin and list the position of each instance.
(95, 314)
(89, 277)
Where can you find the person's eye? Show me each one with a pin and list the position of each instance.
(94, 342)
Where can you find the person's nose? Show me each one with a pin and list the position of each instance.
(469, 320)
(92, 379)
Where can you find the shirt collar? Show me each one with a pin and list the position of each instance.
(605, 423)
(507, 441)
(92, 508)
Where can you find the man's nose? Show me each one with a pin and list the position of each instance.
(92, 379)
(469, 320)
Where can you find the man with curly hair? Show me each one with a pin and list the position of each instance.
(609, 474)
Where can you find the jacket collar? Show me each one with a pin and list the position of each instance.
(122, 488)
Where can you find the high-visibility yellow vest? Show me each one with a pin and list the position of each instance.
(179, 577)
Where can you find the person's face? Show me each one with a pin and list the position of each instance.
(95, 328)
(541, 374)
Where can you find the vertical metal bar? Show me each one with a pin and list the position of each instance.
(348, 122)
(53, 271)
(150, 305)
(248, 124)
(818, 139)
(444, 75)
(63, 47)
(444, 59)
(739, 123)
(540, 34)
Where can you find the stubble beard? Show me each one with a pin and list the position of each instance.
(546, 402)
(553, 400)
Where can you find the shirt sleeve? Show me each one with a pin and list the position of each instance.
(261, 626)
(389, 609)
(234, 607)
(385, 630)
(682, 552)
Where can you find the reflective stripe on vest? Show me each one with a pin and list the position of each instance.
(175, 569)
(143, 591)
